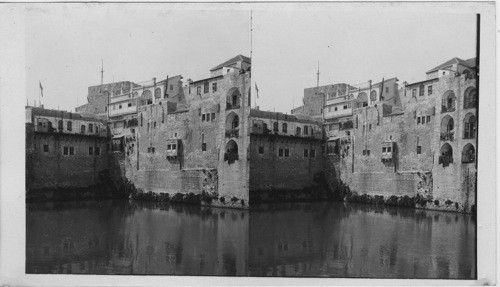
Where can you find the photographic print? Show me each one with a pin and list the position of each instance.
(298, 140)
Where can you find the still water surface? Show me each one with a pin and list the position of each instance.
(300, 239)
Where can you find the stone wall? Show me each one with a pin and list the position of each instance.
(269, 171)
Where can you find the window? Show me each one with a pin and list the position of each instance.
(154, 125)
(345, 107)
(297, 131)
(421, 90)
(69, 126)
(470, 126)
(65, 150)
(169, 147)
(386, 89)
(414, 93)
(171, 87)
(287, 152)
(203, 146)
(261, 149)
(214, 87)
(336, 108)
(205, 88)
(280, 152)
(60, 125)
(82, 129)
(203, 117)
(129, 104)
(285, 128)
(151, 149)
(418, 120)
(213, 116)
(306, 152)
(106, 109)
(312, 153)
(470, 98)
(444, 73)
(428, 119)
(423, 120)
(91, 150)
(198, 90)
(91, 128)
(429, 90)
(148, 125)
(119, 106)
(97, 151)
(45, 148)
(306, 130)
(366, 152)
(71, 150)
(419, 149)
(275, 126)
(370, 127)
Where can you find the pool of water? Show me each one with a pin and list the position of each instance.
(332, 239)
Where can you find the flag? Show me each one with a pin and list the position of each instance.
(41, 88)
(257, 89)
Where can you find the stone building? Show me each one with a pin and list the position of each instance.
(421, 142)
(64, 150)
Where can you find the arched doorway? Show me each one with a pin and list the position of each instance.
(233, 99)
(231, 152)
(470, 126)
(468, 153)
(448, 102)
(447, 128)
(446, 155)
(470, 98)
(362, 100)
(232, 125)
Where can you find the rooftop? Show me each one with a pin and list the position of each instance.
(239, 58)
(471, 63)
(281, 117)
(64, 114)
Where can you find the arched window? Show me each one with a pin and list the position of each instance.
(69, 125)
(446, 155)
(284, 128)
(470, 98)
(91, 128)
(470, 126)
(351, 96)
(231, 152)
(421, 90)
(468, 154)
(232, 125)
(298, 131)
(275, 127)
(97, 129)
(373, 96)
(233, 99)
(158, 93)
(447, 128)
(448, 102)
(82, 129)
(146, 93)
(60, 125)
(362, 100)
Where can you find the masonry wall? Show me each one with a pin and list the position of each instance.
(269, 171)
(53, 169)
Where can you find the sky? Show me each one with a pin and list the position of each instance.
(353, 43)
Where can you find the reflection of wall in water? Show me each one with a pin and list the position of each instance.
(360, 241)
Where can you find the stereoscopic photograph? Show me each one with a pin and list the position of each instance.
(320, 140)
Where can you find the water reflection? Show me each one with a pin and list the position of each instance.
(306, 239)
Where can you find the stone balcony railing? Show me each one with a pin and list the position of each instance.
(233, 133)
(447, 136)
(445, 109)
(231, 106)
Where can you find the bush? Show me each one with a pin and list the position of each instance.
(448, 202)
(436, 202)
(222, 199)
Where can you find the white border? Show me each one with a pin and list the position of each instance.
(12, 150)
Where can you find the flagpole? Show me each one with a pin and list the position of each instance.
(39, 93)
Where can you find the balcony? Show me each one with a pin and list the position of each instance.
(445, 160)
(234, 133)
(447, 136)
(347, 126)
(445, 109)
(232, 106)
(230, 157)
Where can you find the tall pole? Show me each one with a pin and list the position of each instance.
(317, 81)
(102, 72)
